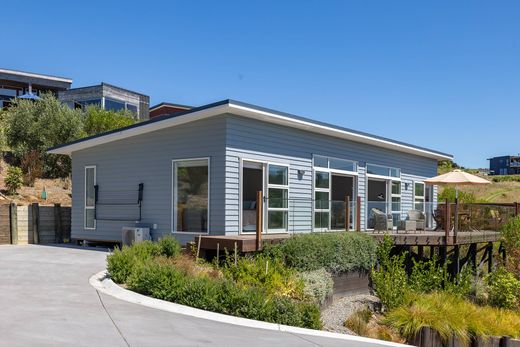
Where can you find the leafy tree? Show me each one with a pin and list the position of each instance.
(30, 125)
(98, 120)
(450, 193)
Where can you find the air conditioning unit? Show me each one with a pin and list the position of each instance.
(130, 235)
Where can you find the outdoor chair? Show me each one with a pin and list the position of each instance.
(382, 221)
(419, 217)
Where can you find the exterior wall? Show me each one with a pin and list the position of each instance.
(253, 139)
(147, 159)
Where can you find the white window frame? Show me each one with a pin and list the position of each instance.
(315, 190)
(277, 186)
(423, 198)
(85, 207)
(393, 178)
(174, 197)
(392, 195)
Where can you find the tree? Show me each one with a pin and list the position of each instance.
(98, 120)
(39, 125)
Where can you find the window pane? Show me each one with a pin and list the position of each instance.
(90, 102)
(377, 170)
(419, 189)
(395, 172)
(89, 186)
(419, 204)
(396, 188)
(396, 204)
(345, 165)
(322, 180)
(278, 175)
(114, 105)
(321, 220)
(321, 200)
(131, 108)
(277, 220)
(320, 161)
(192, 196)
(278, 198)
(89, 218)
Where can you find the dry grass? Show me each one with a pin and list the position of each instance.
(365, 323)
(500, 192)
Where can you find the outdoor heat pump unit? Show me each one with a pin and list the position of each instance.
(130, 235)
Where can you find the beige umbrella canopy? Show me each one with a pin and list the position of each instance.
(456, 178)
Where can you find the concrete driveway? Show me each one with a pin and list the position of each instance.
(46, 300)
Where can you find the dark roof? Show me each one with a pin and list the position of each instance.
(257, 108)
(108, 85)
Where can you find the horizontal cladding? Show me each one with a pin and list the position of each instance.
(147, 158)
(257, 140)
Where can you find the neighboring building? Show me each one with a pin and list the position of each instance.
(167, 109)
(505, 165)
(198, 173)
(108, 97)
(14, 84)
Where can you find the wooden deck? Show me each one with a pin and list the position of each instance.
(247, 243)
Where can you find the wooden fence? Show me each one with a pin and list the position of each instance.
(34, 224)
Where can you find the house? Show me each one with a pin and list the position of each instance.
(504, 165)
(198, 172)
(108, 97)
(167, 108)
(15, 84)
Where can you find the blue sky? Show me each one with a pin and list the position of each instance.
(440, 74)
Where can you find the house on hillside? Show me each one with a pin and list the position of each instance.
(108, 97)
(504, 165)
(199, 171)
(15, 84)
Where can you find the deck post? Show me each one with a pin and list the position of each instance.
(358, 213)
(490, 256)
(473, 256)
(432, 252)
(420, 252)
(36, 222)
(347, 213)
(447, 222)
(456, 221)
(259, 214)
(456, 259)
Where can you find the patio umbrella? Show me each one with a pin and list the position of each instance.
(29, 96)
(456, 178)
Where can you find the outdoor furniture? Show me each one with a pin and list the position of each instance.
(382, 221)
(407, 225)
(418, 217)
(440, 217)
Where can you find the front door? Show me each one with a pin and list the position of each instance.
(377, 198)
(253, 178)
(341, 190)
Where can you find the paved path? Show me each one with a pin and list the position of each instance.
(46, 300)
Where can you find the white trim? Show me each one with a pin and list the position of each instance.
(85, 207)
(248, 112)
(423, 198)
(174, 197)
(277, 186)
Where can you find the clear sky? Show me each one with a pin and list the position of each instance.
(439, 74)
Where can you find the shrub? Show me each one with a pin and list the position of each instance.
(161, 279)
(390, 282)
(358, 321)
(511, 233)
(451, 315)
(13, 181)
(169, 246)
(336, 252)
(32, 167)
(318, 285)
(269, 273)
(450, 193)
(503, 289)
(98, 120)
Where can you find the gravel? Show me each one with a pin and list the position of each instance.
(335, 315)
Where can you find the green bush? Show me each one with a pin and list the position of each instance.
(511, 233)
(503, 289)
(162, 280)
(506, 178)
(121, 263)
(14, 179)
(268, 273)
(336, 252)
(318, 285)
(390, 282)
(450, 193)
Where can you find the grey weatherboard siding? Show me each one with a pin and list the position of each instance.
(147, 158)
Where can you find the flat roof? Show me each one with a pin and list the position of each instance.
(247, 111)
(108, 85)
(36, 75)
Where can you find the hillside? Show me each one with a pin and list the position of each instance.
(58, 191)
(500, 192)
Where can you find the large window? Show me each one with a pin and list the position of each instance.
(114, 105)
(335, 164)
(321, 200)
(90, 197)
(419, 196)
(278, 197)
(191, 195)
